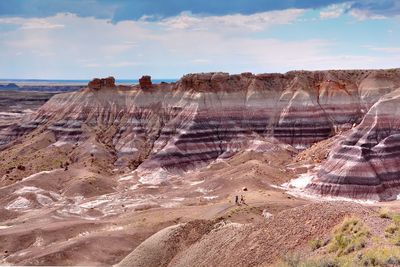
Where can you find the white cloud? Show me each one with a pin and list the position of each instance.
(182, 22)
(363, 14)
(112, 65)
(123, 64)
(40, 24)
(89, 47)
(31, 24)
(384, 49)
(334, 11)
(201, 61)
(254, 22)
(92, 65)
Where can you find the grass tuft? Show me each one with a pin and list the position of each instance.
(349, 236)
(379, 256)
(384, 213)
(316, 244)
(392, 232)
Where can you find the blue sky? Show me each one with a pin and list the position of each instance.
(81, 39)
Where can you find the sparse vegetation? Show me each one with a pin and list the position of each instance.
(384, 213)
(348, 246)
(379, 257)
(349, 236)
(290, 260)
(316, 244)
(392, 232)
(375, 256)
(294, 260)
(396, 218)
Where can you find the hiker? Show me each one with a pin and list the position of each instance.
(242, 199)
(237, 200)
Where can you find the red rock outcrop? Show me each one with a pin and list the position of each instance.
(97, 83)
(145, 82)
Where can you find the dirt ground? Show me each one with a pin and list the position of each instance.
(59, 235)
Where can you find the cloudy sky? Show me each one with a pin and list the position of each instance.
(81, 39)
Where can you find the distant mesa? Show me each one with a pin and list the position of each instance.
(9, 86)
(145, 82)
(97, 83)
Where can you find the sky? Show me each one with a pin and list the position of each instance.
(82, 39)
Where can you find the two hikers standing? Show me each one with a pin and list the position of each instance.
(241, 200)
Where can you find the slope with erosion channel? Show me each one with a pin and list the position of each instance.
(165, 153)
(202, 117)
(365, 164)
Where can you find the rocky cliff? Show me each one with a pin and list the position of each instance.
(203, 117)
(366, 163)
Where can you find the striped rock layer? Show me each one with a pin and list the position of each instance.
(367, 163)
(203, 117)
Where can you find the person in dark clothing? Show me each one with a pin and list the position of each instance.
(237, 200)
(242, 200)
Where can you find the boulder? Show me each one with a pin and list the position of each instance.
(145, 82)
(109, 82)
(97, 83)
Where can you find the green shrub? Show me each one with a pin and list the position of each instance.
(316, 244)
(384, 213)
(393, 230)
(326, 262)
(396, 218)
(349, 236)
(374, 256)
(291, 260)
(378, 256)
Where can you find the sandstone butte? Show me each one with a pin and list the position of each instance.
(145, 82)
(187, 124)
(97, 83)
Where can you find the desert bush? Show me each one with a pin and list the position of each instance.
(348, 247)
(327, 262)
(384, 213)
(316, 244)
(375, 256)
(391, 229)
(349, 236)
(392, 232)
(290, 260)
(296, 261)
(396, 218)
(378, 256)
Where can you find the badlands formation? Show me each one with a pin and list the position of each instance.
(91, 175)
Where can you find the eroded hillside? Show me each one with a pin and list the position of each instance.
(118, 163)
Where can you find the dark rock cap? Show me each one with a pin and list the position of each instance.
(145, 82)
(97, 83)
